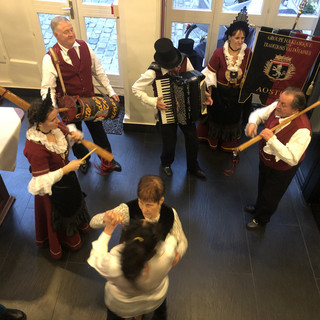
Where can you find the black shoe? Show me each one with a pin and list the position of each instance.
(85, 167)
(250, 209)
(13, 314)
(254, 225)
(198, 173)
(167, 170)
(117, 166)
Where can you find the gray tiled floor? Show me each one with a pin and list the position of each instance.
(228, 272)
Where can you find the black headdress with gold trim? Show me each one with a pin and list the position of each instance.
(239, 23)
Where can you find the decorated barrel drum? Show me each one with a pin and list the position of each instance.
(93, 108)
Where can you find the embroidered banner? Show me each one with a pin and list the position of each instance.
(278, 62)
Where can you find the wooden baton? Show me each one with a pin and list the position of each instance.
(258, 138)
(14, 99)
(25, 106)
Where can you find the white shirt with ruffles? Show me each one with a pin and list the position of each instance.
(139, 88)
(41, 185)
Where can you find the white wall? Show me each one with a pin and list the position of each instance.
(20, 57)
(140, 22)
(18, 64)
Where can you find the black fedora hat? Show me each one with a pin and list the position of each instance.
(167, 56)
(186, 46)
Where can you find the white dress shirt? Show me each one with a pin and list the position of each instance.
(292, 151)
(140, 86)
(123, 209)
(150, 288)
(176, 231)
(50, 74)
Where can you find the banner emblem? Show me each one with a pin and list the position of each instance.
(280, 68)
(278, 62)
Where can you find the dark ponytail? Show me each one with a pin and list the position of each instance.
(39, 110)
(140, 240)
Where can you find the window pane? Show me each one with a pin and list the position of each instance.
(197, 32)
(98, 1)
(253, 6)
(102, 38)
(291, 7)
(192, 4)
(221, 39)
(249, 39)
(47, 35)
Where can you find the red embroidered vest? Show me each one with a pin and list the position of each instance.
(283, 136)
(77, 82)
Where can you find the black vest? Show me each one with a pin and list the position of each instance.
(165, 221)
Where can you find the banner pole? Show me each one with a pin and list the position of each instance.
(301, 7)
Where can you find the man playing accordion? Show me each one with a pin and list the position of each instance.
(170, 63)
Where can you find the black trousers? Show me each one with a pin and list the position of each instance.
(169, 141)
(159, 314)
(272, 185)
(98, 135)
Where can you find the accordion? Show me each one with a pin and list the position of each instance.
(184, 96)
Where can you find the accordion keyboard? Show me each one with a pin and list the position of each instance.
(164, 90)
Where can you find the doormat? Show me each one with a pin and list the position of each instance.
(115, 126)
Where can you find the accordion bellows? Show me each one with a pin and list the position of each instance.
(184, 95)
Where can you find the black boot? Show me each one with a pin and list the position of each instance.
(12, 314)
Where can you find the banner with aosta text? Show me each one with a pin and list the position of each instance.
(278, 62)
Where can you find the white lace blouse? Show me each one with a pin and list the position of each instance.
(42, 184)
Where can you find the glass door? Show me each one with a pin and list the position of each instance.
(192, 19)
(206, 20)
(93, 21)
(283, 15)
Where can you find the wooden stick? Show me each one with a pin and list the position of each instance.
(108, 156)
(15, 99)
(99, 151)
(258, 138)
(25, 105)
(63, 109)
(20, 102)
(88, 154)
(57, 62)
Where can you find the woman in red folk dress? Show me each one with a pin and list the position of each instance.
(60, 208)
(226, 68)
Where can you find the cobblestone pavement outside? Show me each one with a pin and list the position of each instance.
(102, 33)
